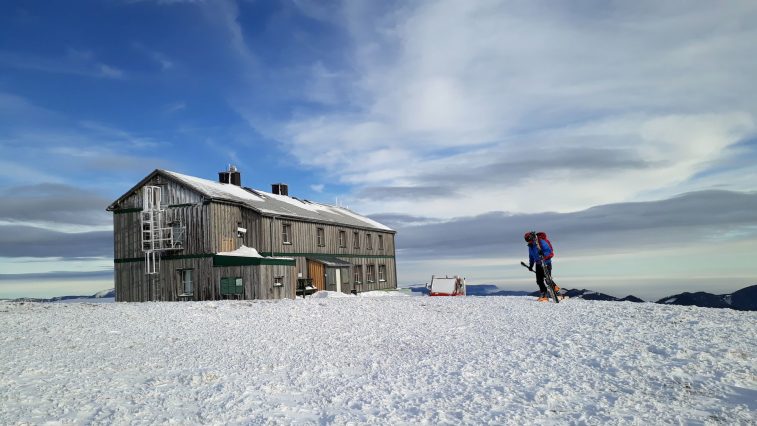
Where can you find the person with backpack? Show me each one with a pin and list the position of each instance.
(535, 241)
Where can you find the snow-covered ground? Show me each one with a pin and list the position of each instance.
(379, 360)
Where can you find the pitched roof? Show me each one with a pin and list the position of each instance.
(270, 204)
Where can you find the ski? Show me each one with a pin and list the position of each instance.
(549, 284)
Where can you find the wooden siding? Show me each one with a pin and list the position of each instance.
(303, 238)
(127, 232)
(211, 227)
(304, 243)
(133, 285)
(172, 194)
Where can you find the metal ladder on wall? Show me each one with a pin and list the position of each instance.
(158, 229)
(150, 225)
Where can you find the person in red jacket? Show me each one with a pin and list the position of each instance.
(534, 258)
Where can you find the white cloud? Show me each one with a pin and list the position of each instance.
(38, 145)
(455, 85)
(622, 101)
(175, 107)
(75, 62)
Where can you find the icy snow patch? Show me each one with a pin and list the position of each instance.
(328, 294)
(382, 293)
(378, 293)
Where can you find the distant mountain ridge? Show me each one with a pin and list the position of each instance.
(742, 300)
(595, 295)
(99, 295)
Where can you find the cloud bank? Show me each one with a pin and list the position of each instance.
(523, 106)
(690, 219)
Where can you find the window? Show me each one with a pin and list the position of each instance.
(227, 244)
(231, 286)
(356, 240)
(371, 273)
(368, 242)
(381, 242)
(382, 273)
(278, 281)
(286, 233)
(186, 282)
(342, 239)
(357, 272)
(321, 237)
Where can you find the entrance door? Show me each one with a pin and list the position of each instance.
(317, 274)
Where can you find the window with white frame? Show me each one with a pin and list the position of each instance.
(382, 273)
(370, 273)
(356, 240)
(321, 237)
(357, 273)
(286, 233)
(187, 287)
(380, 242)
(342, 239)
(368, 242)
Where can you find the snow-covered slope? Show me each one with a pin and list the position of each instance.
(387, 360)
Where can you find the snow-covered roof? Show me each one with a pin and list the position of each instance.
(243, 251)
(276, 205)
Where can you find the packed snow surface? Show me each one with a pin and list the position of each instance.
(377, 360)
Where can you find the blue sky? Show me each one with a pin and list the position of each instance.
(624, 129)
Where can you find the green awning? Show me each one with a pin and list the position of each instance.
(221, 260)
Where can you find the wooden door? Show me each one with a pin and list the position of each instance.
(317, 273)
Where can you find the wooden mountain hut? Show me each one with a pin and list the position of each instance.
(179, 237)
